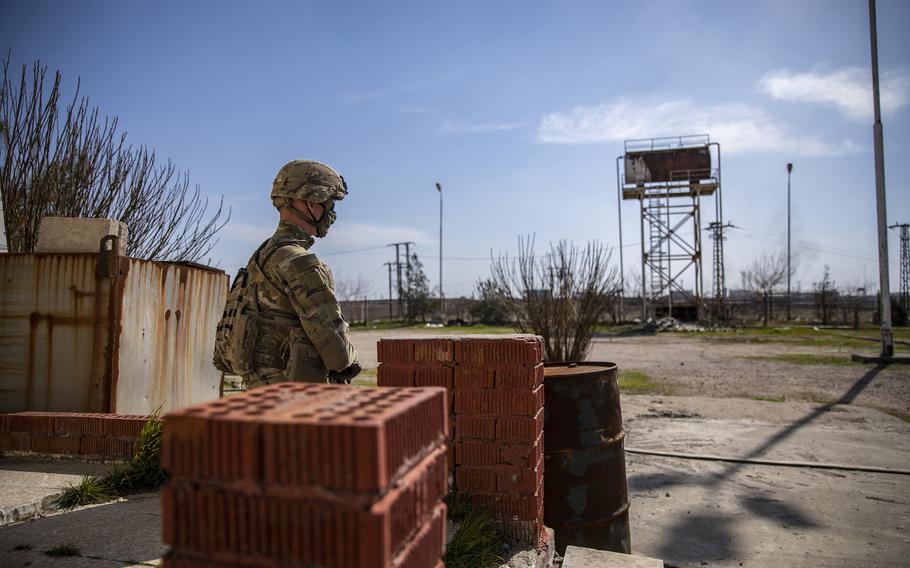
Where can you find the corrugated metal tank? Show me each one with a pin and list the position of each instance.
(102, 333)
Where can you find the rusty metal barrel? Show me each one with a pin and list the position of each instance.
(586, 500)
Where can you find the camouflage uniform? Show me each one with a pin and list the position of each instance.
(286, 324)
(301, 316)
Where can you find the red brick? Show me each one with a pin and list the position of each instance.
(521, 454)
(79, 423)
(499, 350)
(513, 479)
(476, 453)
(509, 506)
(473, 378)
(520, 428)
(435, 376)
(360, 441)
(434, 350)
(107, 447)
(63, 444)
(469, 427)
(395, 375)
(475, 479)
(204, 520)
(15, 442)
(498, 402)
(221, 439)
(395, 350)
(127, 425)
(526, 377)
(427, 546)
(4, 423)
(34, 422)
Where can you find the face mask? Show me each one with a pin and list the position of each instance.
(328, 218)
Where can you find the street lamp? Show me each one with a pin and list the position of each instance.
(442, 301)
(789, 272)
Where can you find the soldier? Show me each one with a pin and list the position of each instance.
(282, 321)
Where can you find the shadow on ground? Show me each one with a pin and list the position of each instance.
(709, 537)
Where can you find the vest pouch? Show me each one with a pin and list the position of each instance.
(243, 341)
(304, 363)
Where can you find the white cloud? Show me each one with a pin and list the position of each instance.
(848, 89)
(461, 127)
(738, 127)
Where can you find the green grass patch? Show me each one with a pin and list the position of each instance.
(63, 551)
(769, 398)
(804, 359)
(478, 329)
(366, 378)
(142, 473)
(90, 489)
(477, 542)
(638, 382)
(897, 414)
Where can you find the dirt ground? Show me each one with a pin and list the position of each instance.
(757, 398)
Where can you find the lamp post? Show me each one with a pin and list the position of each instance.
(442, 301)
(789, 271)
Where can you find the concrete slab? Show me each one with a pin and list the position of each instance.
(696, 513)
(578, 557)
(70, 234)
(122, 533)
(29, 486)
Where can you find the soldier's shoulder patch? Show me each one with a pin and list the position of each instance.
(295, 258)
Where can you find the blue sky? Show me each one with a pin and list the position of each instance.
(519, 109)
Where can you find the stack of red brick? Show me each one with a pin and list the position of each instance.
(307, 475)
(495, 387)
(90, 435)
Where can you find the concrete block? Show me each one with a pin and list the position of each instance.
(578, 557)
(70, 234)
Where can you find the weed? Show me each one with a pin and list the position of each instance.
(366, 378)
(769, 398)
(90, 489)
(637, 382)
(804, 359)
(477, 541)
(144, 471)
(63, 550)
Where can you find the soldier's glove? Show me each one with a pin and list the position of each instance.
(345, 376)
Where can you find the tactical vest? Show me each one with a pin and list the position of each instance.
(249, 340)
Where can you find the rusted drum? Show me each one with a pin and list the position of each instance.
(585, 496)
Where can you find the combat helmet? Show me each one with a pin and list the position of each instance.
(307, 179)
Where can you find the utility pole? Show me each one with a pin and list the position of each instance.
(789, 271)
(887, 338)
(716, 229)
(442, 298)
(904, 289)
(389, 264)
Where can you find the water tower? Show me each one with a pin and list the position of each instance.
(668, 177)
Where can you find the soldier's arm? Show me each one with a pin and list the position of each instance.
(309, 286)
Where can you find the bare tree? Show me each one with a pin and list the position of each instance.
(766, 272)
(560, 296)
(349, 290)
(826, 296)
(67, 160)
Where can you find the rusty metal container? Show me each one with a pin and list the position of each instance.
(663, 166)
(83, 332)
(586, 500)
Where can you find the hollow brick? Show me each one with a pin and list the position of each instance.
(473, 378)
(520, 428)
(476, 453)
(395, 375)
(469, 427)
(525, 377)
(475, 479)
